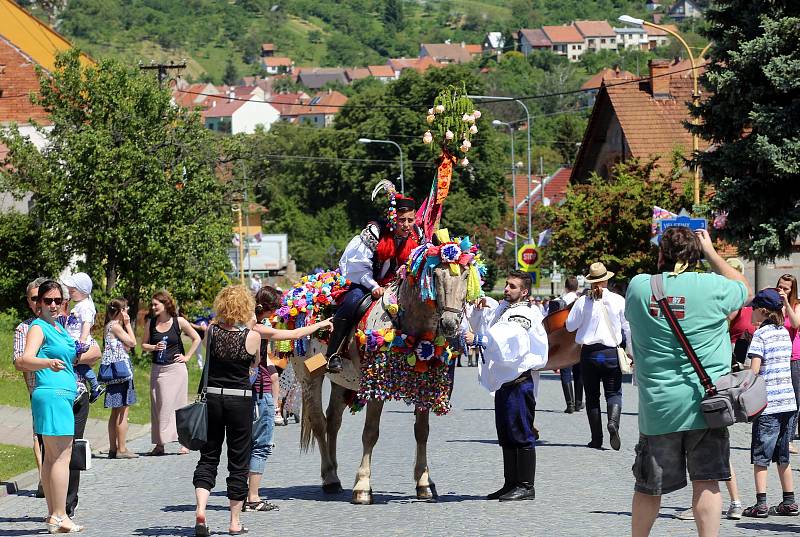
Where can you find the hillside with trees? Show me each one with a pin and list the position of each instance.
(209, 33)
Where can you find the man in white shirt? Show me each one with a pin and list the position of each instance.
(515, 349)
(599, 318)
(370, 261)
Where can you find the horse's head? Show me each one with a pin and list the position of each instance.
(451, 293)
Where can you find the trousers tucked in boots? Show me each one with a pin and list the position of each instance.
(614, 411)
(525, 474)
(509, 473)
(338, 336)
(569, 396)
(596, 427)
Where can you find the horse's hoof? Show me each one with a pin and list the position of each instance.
(362, 497)
(427, 493)
(332, 488)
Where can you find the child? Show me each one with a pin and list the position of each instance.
(80, 322)
(770, 352)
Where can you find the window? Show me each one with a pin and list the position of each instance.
(603, 41)
(574, 58)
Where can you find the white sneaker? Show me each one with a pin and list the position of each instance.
(734, 511)
(278, 419)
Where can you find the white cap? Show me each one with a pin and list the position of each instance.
(80, 281)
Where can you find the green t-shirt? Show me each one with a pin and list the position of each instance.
(669, 389)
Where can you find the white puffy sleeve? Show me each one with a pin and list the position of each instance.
(537, 356)
(356, 262)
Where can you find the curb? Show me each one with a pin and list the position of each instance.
(30, 479)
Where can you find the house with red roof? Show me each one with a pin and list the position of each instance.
(277, 65)
(419, 65)
(643, 119)
(567, 41)
(607, 76)
(555, 189)
(320, 111)
(533, 39)
(597, 35)
(232, 114)
(447, 53)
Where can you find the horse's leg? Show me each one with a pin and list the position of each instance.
(362, 490)
(426, 489)
(333, 418)
(314, 419)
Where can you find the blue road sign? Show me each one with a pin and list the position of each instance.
(683, 221)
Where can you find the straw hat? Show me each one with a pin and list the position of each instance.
(598, 273)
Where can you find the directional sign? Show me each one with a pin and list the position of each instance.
(684, 221)
(528, 257)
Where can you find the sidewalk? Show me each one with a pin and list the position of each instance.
(16, 429)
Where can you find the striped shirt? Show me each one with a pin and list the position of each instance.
(773, 345)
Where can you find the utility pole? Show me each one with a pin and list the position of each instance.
(163, 69)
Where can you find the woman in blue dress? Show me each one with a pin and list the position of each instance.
(50, 352)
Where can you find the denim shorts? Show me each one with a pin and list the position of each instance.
(263, 427)
(662, 460)
(771, 436)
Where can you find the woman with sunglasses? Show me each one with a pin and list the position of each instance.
(51, 353)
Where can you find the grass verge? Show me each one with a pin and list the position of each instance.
(15, 460)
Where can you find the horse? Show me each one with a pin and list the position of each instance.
(442, 317)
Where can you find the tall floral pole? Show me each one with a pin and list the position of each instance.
(452, 126)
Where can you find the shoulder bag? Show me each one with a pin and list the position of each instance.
(192, 420)
(736, 397)
(622, 357)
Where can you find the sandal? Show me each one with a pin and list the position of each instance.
(58, 528)
(785, 509)
(156, 452)
(261, 505)
(756, 511)
(201, 530)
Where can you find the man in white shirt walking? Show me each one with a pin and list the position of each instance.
(571, 380)
(599, 319)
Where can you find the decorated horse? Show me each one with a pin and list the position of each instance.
(399, 348)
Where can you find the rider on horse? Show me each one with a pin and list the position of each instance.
(370, 261)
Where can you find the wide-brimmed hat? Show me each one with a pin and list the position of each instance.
(598, 273)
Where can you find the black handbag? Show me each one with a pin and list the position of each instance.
(81, 457)
(192, 420)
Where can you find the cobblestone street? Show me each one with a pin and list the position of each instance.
(580, 491)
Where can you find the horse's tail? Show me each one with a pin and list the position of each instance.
(306, 429)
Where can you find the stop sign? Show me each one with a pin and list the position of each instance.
(528, 257)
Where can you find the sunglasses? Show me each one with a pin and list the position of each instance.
(56, 301)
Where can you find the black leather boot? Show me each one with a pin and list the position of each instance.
(526, 473)
(614, 412)
(509, 473)
(596, 427)
(569, 396)
(338, 335)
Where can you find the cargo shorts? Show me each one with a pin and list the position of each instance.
(662, 460)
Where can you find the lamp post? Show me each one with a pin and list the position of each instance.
(695, 93)
(528, 118)
(402, 177)
(237, 208)
(510, 127)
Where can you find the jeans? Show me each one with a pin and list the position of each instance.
(599, 364)
(772, 434)
(231, 416)
(263, 427)
(349, 305)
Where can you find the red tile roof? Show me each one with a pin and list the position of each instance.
(276, 61)
(594, 28)
(536, 37)
(381, 71)
(221, 107)
(456, 53)
(562, 34)
(418, 64)
(609, 76)
(268, 47)
(323, 103)
(555, 188)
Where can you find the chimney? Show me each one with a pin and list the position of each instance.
(231, 95)
(463, 44)
(659, 79)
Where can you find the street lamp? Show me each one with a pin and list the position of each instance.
(510, 127)
(695, 93)
(402, 177)
(528, 118)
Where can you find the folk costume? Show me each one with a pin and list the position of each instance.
(369, 261)
(515, 349)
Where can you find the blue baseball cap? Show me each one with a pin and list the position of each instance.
(769, 299)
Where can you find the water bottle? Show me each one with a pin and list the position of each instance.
(160, 358)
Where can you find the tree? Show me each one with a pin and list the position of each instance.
(609, 220)
(126, 180)
(569, 132)
(231, 74)
(752, 116)
(393, 15)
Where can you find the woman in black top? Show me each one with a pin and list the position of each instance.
(232, 353)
